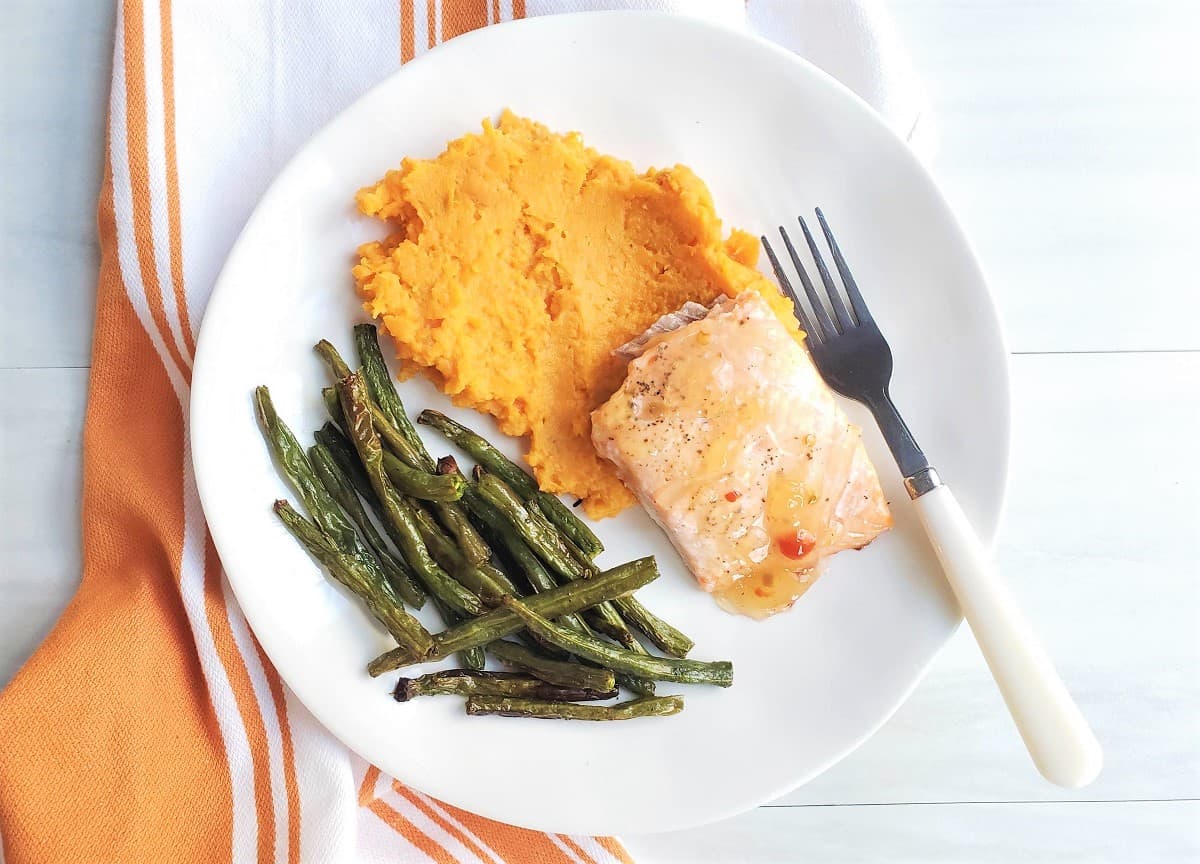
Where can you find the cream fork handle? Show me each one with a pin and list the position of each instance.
(1062, 745)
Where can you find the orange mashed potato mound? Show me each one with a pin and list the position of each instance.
(520, 259)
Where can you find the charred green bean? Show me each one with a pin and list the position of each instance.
(482, 451)
(518, 550)
(470, 658)
(341, 489)
(299, 471)
(463, 682)
(551, 671)
(662, 635)
(383, 391)
(545, 541)
(410, 451)
(421, 484)
(719, 672)
(342, 450)
(485, 580)
(498, 623)
(352, 393)
(367, 582)
(508, 706)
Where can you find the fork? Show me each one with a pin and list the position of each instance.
(854, 359)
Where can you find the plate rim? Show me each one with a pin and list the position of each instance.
(199, 458)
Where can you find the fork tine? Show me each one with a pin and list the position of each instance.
(835, 298)
(861, 312)
(786, 284)
(828, 330)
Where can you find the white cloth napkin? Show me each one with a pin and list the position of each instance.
(855, 41)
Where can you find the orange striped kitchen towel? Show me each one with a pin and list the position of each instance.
(150, 726)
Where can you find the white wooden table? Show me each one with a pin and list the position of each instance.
(1071, 149)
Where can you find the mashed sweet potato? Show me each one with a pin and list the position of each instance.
(520, 259)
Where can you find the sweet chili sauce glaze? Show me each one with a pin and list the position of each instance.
(784, 562)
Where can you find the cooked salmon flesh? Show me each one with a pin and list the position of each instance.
(733, 443)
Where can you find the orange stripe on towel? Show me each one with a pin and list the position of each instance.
(291, 787)
(614, 848)
(445, 824)
(462, 16)
(514, 845)
(139, 178)
(401, 825)
(243, 694)
(174, 230)
(408, 48)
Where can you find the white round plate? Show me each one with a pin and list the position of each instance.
(773, 137)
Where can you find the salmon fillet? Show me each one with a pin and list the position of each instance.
(731, 440)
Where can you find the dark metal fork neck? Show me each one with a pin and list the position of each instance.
(900, 441)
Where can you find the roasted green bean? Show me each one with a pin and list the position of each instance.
(354, 563)
(498, 623)
(391, 436)
(551, 671)
(420, 484)
(484, 580)
(482, 451)
(367, 582)
(507, 706)
(411, 452)
(352, 393)
(343, 452)
(662, 635)
(518, 550)
(347, 459)
(339, 367)
(539, 578)
(719, 673)
(295, 465)
(383, 391)
(462, 682)
(471, 658)
(333, 405)
(341, 489)
(545, 541)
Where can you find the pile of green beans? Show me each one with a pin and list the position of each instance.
(498, 556)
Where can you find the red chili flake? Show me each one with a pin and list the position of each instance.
(798, 545)
(732, 495)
